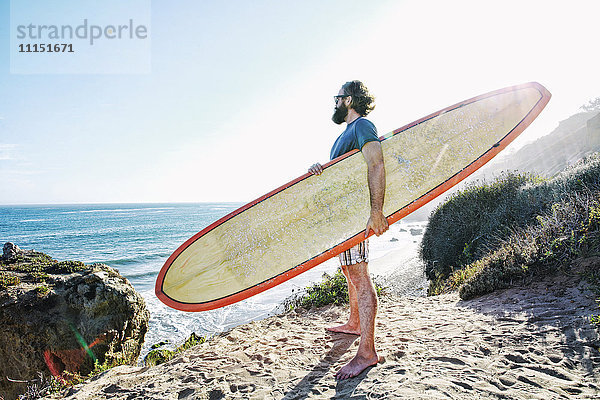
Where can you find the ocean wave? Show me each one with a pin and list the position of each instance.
(34, 220)
(141, 275)
(139, 259)
(117, 210)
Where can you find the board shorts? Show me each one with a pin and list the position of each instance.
(356, 254)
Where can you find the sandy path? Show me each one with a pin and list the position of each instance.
(531, 342)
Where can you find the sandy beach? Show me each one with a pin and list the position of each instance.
(528, 342)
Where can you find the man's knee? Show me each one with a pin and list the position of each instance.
(359, 274)
(345, 270)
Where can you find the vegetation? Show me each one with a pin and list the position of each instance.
(39, 276)
(40, 264)
(7, 280)
(467, 226)
(29, 261)
(592, 105)
(67, 267)
(44, 386)
(42, 289)
(593, 277)
(331, 290)
(159, 355)
(490, 235)
(35, 267)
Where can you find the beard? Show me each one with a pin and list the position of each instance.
(340, 114)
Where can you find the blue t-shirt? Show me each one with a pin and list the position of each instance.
(357, 134)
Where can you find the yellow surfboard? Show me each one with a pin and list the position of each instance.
(313, 218)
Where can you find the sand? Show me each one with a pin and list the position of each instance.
(529, 342)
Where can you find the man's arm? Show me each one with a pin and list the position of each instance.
(376, 179)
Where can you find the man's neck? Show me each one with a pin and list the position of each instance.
(352, 116)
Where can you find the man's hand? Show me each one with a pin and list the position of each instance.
(316, 169)
(377, 223)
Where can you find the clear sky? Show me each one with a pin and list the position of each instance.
(238, 97)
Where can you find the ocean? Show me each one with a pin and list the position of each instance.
(136, 239)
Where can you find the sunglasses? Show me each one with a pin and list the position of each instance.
(339, 96)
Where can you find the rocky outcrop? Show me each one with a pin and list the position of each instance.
(63, 316)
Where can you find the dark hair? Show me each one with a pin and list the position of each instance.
(363, 102)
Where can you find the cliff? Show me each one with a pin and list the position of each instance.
(573, 139)
(63, 316)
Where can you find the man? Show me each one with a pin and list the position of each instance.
(353, 103)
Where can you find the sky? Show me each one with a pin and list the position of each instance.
(227, 100)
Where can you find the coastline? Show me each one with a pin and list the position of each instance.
(531, 341)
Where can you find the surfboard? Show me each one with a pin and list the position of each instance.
(313, 218)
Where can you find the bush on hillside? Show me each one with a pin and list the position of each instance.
(160, 355)
(472, 222)
(488, 236)
(333, 289)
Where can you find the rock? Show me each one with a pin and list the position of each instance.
(63, 316)
(10, 251)
(416, 231)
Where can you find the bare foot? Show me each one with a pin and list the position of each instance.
(357, 365)
(346, 328)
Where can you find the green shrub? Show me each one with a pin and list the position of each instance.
(7, 280)
(30, 261)
(471, 222)
(42, 289)
(489, 236)
(68, 267)
(39, 276)
(333, 289)
(39, 264)
(160, 355)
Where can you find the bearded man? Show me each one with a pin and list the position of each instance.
(352, 104)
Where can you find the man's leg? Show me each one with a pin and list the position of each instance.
(366, 355)
(353, 325)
